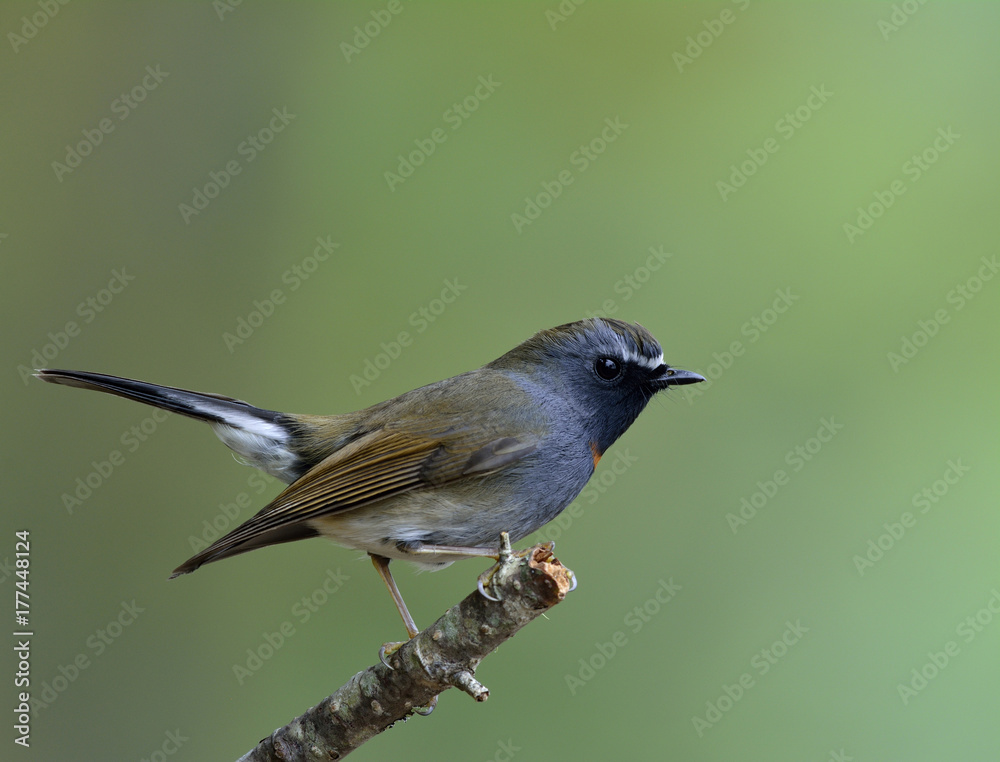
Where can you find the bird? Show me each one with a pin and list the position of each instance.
(438, 473)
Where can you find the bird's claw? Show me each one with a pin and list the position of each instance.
(427, 708)
(388, 649)
(505, 554)
(486, 578)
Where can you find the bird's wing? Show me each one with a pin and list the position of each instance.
(375, 466)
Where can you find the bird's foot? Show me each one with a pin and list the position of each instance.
(485, 581)
(427, 708)
(388, 649)
(486, 578)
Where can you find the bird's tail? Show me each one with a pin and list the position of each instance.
(213, 408)
(259, 435)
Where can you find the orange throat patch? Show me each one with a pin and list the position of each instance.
(597, 453)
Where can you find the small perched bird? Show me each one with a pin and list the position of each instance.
(438, 473)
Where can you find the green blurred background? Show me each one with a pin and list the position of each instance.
(807, 111)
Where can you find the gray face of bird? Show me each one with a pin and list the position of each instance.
(605, 370)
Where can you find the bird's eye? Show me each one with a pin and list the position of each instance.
(607, 368)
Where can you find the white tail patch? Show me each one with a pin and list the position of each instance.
(261, 443)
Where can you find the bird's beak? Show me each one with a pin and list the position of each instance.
(677, 377)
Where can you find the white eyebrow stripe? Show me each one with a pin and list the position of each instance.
(627, 351)
(643, 360)
(654, 364)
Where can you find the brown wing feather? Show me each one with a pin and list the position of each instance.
(373, 467)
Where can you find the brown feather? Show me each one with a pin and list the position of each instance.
(376, 466)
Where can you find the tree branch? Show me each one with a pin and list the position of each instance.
(444, 655)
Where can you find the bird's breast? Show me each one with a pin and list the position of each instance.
(468, 514)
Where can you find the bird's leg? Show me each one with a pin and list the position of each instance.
(382, 567)
(501, 554)
(497, 553)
